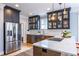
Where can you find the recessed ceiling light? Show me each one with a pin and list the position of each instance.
(48, 9)
(16, 5)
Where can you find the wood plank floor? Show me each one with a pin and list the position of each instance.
(24, 48)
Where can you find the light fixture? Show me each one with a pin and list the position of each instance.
(65, 11)
(60, 8)
(60, 5)
(16, 5)
(8, 11)
(53, 15)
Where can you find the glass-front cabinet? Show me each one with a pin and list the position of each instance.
(34, 22)
(58, 20)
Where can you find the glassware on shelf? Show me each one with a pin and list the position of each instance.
(33, 20)
(54, 17)
(65, 26)
(59, 26)
(65, 23)
(50, 25)
(60, 18)
(54, 25)
(49, 17)
(65, 15)
(60, 13)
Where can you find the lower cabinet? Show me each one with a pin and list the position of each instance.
(29, 39)
(36, 38)
(38, 51)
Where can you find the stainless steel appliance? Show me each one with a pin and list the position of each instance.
(12, 39)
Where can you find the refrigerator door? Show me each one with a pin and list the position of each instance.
(8, 32)
(8, 37)
(12, 37)
(8, 47)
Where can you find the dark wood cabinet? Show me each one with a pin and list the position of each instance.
(39, 51)
(34, 22)
(36, 38)
(11, 14)
(29, 39)
(58, 20)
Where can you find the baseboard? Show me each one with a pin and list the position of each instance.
(1, 53)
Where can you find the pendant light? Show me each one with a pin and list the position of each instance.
(60, 8)
(53, 15)
(65, 11)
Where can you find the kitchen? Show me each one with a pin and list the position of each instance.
(38, 32)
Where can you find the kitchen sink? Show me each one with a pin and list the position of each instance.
(55, 39)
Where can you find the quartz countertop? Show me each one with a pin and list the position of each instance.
(40, 34)
(67, 45)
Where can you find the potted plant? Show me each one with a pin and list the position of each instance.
(66, 34)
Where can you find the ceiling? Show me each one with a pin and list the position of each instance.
(28, 9)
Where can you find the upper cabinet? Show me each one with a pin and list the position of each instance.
(59, 19)
(34, 22)
(11, 14)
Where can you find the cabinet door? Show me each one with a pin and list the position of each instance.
(37, 51)
(7, 15)
(44, 52)
(29, 39)
(53, 53)
(11, 15)
(15, 16)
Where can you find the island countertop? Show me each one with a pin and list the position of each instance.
(67, 45)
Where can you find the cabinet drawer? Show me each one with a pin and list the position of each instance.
(53, 53)
(37, 51)
(44, 52)
(29, 39)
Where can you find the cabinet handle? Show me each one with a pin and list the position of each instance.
(44, 50)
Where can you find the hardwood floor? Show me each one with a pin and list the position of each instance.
(26, 53)
(24, 48)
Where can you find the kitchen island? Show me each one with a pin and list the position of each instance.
(66, 47)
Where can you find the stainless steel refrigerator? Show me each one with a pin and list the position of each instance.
(12, 37)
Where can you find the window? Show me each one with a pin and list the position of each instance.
(43, 23)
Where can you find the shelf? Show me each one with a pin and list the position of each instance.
(34, 22)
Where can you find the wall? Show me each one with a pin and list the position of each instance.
(23, 22)
(1, 28)
(78, 26)
(57, 32)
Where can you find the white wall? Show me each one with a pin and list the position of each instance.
(1, 28)
(24, 22)
(78, 26)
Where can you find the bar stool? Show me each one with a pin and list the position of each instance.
(77, 46)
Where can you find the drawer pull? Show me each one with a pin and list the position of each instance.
(44, 50)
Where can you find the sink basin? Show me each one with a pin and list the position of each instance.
(55, 39)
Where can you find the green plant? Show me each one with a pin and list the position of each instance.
(66, 34)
